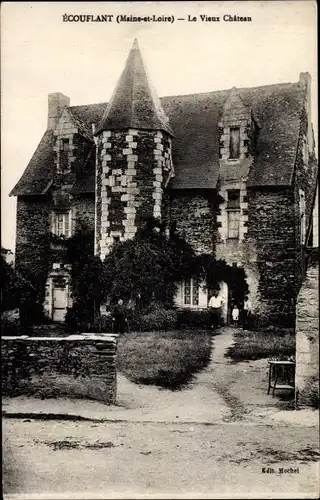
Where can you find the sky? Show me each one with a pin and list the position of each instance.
(42, 54)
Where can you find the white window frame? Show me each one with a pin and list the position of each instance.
(234, 127)
(192, 282)
(229, 212)
(66, 228)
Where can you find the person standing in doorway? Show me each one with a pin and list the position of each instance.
(235, 315)
(215, 304)
(246, 313)
(119, 317)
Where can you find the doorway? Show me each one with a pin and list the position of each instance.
(59, 299)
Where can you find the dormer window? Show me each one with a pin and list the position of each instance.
(64, 155)
(234, 143)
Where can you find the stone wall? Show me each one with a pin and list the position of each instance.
(271, 231)
(307, 339)
(82, 366)
(132, 169)
(83, 211)
(305, 182)
(195, 218)
(315, 222)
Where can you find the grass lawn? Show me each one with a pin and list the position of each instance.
(257, 345)
(166, 359)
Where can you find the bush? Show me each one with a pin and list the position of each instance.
(157, 319)
(193, 319)
(10, 323)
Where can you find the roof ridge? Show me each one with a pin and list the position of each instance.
(210, 92)
(229, 90)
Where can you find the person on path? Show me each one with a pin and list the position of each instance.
(235, 315)
(246, 313)
(119, 317)
(215, 304)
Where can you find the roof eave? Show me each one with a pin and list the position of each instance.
(127, 127)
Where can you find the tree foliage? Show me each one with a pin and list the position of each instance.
(14, 287)
(85, 275)
(148, 266)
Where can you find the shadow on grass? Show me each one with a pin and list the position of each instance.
(251, 345)
(168, 360)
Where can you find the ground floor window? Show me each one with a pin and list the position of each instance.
(191, 292)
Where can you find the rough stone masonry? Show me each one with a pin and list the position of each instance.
(76, 366)
(307, 339)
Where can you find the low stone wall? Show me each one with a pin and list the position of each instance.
(78, 366)
(307, 340)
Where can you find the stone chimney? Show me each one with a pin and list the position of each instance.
(305, 79)
(56, 103)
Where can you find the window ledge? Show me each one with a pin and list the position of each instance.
(191, 308)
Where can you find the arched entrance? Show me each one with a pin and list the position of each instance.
(237, 290)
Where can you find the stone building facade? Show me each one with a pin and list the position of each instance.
(307, 338)
(235, 170)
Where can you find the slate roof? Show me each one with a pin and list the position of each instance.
(134, 103)
(194, 119)
(38, 175)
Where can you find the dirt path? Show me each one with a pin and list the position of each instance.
(223, 392)
(198, 402)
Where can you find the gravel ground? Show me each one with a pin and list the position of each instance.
(122, 459)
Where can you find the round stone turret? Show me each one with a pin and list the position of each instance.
(134, 162)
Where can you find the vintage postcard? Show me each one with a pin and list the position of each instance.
(159, 250)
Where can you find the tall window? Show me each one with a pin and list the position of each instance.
(62, 224)
(234, 145)
(191, 292)
(64, 155)
(233, 211)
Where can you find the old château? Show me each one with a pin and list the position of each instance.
(235, 169)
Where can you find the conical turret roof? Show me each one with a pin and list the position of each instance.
(134, 103)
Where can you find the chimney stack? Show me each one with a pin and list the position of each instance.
(56, 103)
(305, 79)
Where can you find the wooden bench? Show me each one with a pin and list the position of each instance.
(281, 375)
